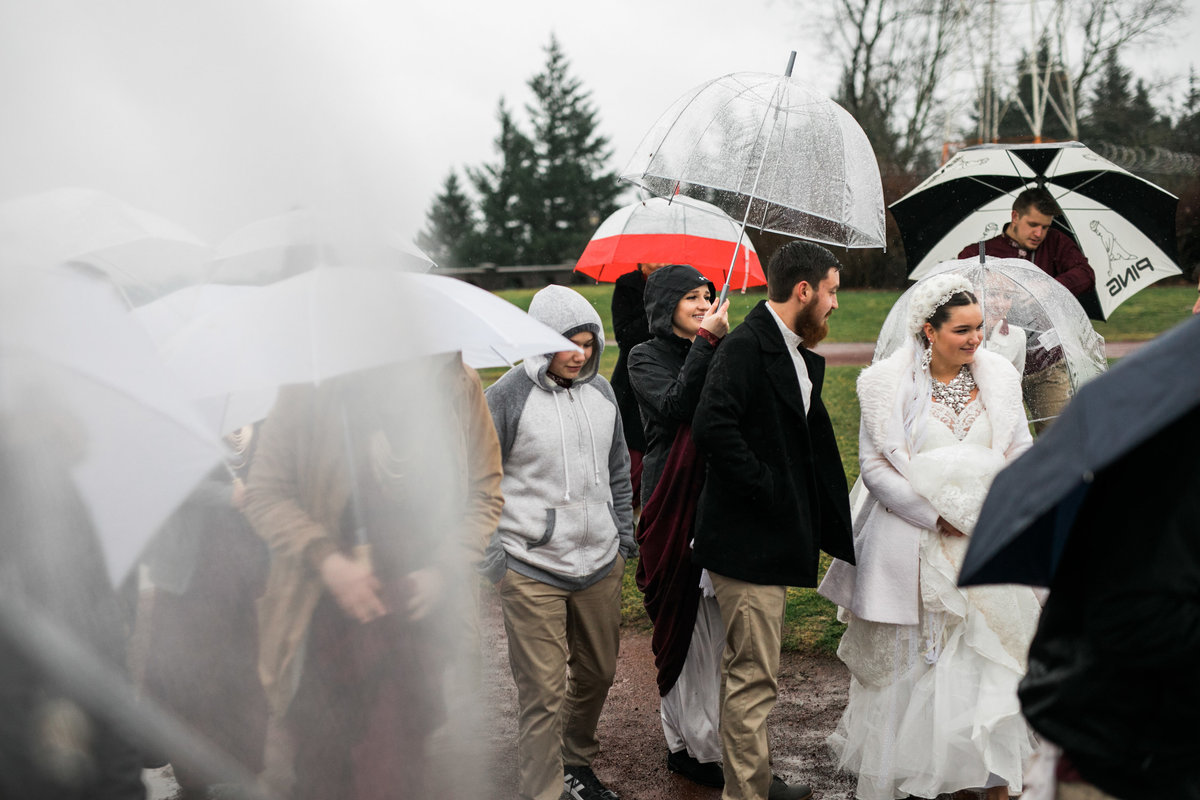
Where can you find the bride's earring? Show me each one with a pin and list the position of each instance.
(925, 359)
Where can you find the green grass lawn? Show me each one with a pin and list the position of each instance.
(810, 623)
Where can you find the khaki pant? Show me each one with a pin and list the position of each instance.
(753, 617)
(1080, 791)
(1046, 393)
(562, 647)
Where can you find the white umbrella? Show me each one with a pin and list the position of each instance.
(167, 316)
(282, 246)
(77, 372)
(334, 320)
(142, 253)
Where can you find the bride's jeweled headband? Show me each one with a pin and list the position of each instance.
(931, 294)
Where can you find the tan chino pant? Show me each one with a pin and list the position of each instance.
(562, 647)
(753, 617)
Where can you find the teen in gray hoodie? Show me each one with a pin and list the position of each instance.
(559, 551)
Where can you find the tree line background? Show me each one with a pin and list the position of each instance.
(902, 64)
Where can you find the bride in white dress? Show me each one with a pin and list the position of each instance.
(934, 668)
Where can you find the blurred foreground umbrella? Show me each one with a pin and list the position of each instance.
(771, 152)
(288, 244)
(167, 316)
(680, 230)
(142, 254)
(1031, 507)
(1123, 224)
(334, 320)
(77, 372)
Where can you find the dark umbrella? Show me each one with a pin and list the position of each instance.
(1032, 504)
(1123, 224)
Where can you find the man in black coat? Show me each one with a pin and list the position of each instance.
(775, 495)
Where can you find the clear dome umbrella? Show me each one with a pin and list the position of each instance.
(771, 152)
(1030, 318)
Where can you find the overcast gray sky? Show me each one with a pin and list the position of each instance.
(216, 113)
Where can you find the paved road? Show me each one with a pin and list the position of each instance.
(841, 354)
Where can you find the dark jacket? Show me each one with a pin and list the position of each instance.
(1057, 255)
(668, 371)
(1113, 673)
(631, 329)
(775, 493)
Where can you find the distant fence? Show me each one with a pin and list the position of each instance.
(493, 277)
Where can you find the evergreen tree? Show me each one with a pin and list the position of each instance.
(1109, 108)
(1013, 123)
(1186, 134)
(451, 237)
(505, 189)
(573, 190)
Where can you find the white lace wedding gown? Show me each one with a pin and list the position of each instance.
(933, 707)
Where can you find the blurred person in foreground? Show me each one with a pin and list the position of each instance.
(1113, 678)
(558, 555)
(376, 492)
(667, 374)
(207, 569)
(54, 743)
(631, 329)
(773, 498)
(1030, 235)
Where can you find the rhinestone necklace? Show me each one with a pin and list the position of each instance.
(957, 393)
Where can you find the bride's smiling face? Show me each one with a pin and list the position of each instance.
(955, 341)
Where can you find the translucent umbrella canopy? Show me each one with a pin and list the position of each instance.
(771, 151)
(1035, 307)
(83, 378)
(143, 254)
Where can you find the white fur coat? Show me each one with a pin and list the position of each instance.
(888, 522)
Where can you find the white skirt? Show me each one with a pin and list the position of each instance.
(933, 707)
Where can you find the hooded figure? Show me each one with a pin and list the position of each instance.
(559, 552)
(667, 374)
(668, 371)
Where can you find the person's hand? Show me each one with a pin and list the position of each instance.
(239, 494)
(946, 529)
(425, 591)
(1196, 308)
(354, 587)
(716, 321)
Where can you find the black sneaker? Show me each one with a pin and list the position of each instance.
(705, 774)
(580, 783)
(788, 791)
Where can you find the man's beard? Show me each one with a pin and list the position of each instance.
(811, 327)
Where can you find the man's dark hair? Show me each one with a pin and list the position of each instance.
(1038, 198)
(794, 262)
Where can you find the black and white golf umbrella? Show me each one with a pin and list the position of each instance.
(1124, 224)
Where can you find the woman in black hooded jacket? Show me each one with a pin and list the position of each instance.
(666, 374)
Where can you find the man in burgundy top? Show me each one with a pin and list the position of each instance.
(1047, 382)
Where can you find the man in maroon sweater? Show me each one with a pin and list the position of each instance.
(1047, 382)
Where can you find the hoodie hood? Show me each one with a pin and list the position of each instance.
(567, 312)
(664, 289)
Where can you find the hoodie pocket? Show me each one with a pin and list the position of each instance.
(551, 518)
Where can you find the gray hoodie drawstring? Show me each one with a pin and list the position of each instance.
(595, 456)
(562, 439)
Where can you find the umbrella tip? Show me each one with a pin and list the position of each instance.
(787, 73)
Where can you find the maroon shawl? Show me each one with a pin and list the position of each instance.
(669, 580)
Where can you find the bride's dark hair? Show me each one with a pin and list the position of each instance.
(942, 312)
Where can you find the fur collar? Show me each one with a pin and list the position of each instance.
(879, 386)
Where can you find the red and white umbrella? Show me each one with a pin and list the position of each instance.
(681, 230)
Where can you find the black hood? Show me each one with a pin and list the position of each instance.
(664, 289)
